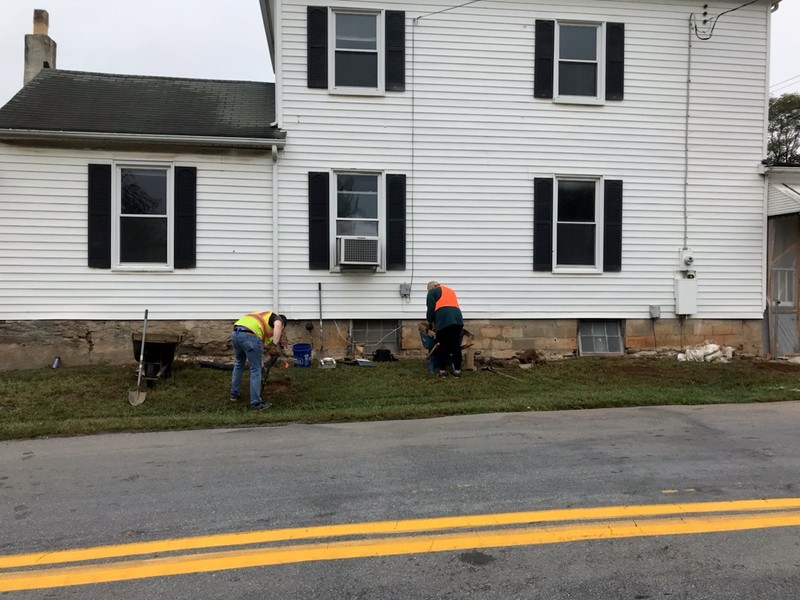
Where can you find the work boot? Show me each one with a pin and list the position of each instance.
(260, 406)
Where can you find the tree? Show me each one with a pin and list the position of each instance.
(783, 147)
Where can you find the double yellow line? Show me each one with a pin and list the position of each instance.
(385, 538)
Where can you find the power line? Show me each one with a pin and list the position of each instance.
(785, 81)
(713, 21)
(788, 85)
(448, 9)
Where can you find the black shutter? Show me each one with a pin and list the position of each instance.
(612, 229)
(615, 61)
(395, 222)
(543, 59)
(395, 51)
(543, 224)
(185, 226)
(317, 46)
(319, 247)
(99, 217)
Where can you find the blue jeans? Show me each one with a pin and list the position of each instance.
(247, 348)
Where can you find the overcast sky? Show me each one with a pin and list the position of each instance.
(221, 39)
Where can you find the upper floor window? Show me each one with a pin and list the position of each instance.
(579, 68)
(579, 62)
(355, 51)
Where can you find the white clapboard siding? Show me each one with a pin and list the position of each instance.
(480, 138)
(784, 199)
(43, 241)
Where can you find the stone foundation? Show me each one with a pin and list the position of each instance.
(34, 344)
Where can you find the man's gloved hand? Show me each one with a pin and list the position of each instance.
(273, 350)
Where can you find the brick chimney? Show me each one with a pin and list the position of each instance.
(40, 49)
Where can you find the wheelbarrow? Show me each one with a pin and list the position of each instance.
(159, 354)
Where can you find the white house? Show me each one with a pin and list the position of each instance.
(585, 174)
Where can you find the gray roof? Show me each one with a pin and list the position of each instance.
(100, 103)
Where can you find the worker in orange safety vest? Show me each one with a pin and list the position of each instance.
(445, 318)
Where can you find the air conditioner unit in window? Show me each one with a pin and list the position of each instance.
(358, 250)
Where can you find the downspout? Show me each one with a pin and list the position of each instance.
(686, 140)
(275, 229)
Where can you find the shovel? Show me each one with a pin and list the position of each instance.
(137, 397)
(265, 372)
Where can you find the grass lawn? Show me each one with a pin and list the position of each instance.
(87, 400)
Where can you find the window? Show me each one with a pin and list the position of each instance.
(579, 62)
(374, 334)
(578, 210)
(357, 205)
(577, 224)
(355, 52)
(355, 49)
(599, 337)
(579, 69)
(359, 215)
(358, 222)
(142, 211)
(142, 216)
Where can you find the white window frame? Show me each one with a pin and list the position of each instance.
(334, 212)
(116, 215)
(600, 53)
(379, 90)
(599, 223)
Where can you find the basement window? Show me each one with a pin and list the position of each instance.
(599, 338)
(374, 334)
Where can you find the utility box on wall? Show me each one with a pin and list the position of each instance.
(685, 296)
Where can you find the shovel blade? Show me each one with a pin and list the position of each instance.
(136, 397)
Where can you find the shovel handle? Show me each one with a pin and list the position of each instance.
(141, 351)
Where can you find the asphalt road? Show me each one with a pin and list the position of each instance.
(115, 490)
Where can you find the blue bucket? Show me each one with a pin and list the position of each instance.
(302, 355)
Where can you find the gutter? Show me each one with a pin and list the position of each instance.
(765, 170)
(137, 138)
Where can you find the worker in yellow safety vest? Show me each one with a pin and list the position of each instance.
(251, 334)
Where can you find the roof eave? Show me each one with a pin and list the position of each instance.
(772, 170)
(268, 16)
(194, 141)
